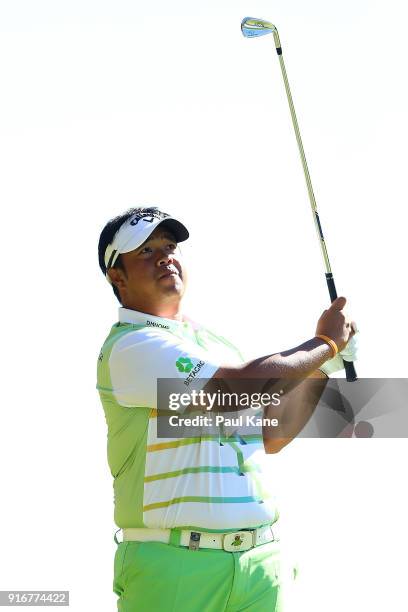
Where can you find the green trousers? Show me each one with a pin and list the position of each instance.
(157, 577)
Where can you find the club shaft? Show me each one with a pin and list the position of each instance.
(348, 365)
(305, 169)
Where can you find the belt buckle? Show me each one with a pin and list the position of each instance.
(238, 541)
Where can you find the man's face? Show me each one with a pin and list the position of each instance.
(154, 275)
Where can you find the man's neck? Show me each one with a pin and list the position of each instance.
(167, 311)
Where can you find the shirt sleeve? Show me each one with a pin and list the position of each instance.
(140, 358)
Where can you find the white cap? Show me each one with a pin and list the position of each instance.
(136, 230)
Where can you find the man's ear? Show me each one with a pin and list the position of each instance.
(117, 277)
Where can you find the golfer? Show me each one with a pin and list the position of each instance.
(196, 517)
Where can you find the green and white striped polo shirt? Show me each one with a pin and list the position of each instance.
(208, 483)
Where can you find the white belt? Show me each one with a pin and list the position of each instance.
(236, 541)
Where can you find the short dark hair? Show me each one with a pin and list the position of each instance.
(109, 231)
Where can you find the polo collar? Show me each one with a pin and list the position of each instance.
(126, 315)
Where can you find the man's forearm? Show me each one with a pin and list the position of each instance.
(296, 371)
(294, 411)
(285, 369)
(298, 362)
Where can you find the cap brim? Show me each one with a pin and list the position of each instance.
(128, 237)
(178, 229)
(175, 227)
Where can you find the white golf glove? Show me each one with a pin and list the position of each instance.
(335, 364)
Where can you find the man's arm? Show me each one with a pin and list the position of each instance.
(296, 363)
(288, 369)
(303, 360)
(294, 411)
(292, 374)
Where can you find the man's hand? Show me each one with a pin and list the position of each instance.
(336, 324)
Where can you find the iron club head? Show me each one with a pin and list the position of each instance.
(252, 27)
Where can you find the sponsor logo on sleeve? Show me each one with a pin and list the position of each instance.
(193, 372)
(184, 364)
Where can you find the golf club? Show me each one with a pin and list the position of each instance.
(252, 28)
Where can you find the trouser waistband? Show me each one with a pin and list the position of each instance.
(236, 541)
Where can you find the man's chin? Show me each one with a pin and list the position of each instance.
(172, 284)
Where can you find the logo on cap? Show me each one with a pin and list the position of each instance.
(148, 217)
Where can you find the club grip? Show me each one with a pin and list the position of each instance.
(331, 286)
(351, 374)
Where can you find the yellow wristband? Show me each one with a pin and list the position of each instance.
(330, 342)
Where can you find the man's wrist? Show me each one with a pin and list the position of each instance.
(330, 342)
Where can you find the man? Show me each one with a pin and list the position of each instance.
(195, 515)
